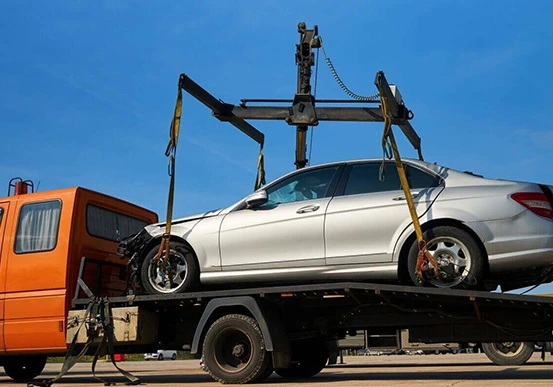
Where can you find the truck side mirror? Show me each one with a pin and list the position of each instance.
(256, 199)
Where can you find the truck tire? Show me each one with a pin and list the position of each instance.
(23, 369)
(450, 246)
(182, 262)
(308, 358)
(509, 353)
(234, 350)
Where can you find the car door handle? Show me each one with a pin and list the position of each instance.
(306, 209)
(402, 197)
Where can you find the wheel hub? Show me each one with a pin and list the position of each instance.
(453, 260)
(238, 350)
(168, 277)
(508, 347)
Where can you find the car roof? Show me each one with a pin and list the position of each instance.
(354, 161)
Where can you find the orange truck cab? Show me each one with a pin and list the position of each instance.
(43, 237)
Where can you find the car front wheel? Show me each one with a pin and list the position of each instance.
(460, 259)
(178, 274)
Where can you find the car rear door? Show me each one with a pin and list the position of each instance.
(287, 230)
(364, 219)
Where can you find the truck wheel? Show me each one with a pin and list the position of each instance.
(308, 358)
(234, 350)
(24, 368)
(180, 274)
(457, 253)
(508, 353)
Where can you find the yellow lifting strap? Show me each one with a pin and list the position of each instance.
(260, 178)
(171, 153)
(388, 139)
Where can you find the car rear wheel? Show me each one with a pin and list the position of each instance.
(180, 273)
(24, 368)
(174, 356)
(508, 353)
(460, 259)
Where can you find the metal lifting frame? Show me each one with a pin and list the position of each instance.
(305, 110)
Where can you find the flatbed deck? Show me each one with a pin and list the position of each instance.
(334, 289)
(291, 317)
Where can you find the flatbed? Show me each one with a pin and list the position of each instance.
(294, 328)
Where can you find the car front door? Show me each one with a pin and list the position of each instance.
(286, 231)
(366, 214)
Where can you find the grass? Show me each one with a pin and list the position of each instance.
(181, 355)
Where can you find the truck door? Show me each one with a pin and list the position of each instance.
(36, 249)
(4, 206)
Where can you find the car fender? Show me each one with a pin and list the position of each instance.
(406, 229)
(203, 237)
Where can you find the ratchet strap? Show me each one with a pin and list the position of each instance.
(97, 319)
(260, 178)
(389, 142)
(170, 153)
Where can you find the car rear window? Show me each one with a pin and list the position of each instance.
(365, 178)
(111, 225)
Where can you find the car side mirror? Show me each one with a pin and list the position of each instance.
(256, 199)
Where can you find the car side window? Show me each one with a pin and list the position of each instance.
(37, 228)
(365, 178)
(313, 184)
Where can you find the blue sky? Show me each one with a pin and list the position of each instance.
(88, 89)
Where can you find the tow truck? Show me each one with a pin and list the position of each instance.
(245, 334)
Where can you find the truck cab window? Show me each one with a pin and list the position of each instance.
(37, 228)
(111, 225)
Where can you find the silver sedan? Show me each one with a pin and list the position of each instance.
(348, 221)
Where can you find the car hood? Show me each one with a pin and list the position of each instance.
(189, 218)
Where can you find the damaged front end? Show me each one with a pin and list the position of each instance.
(133, 248)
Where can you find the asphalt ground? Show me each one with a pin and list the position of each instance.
(449, 370)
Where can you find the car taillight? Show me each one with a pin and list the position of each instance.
(536, 202)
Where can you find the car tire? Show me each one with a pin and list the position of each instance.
(179, 254)
(23, 369)
(450, 241)
(160, 357)
(514, 353)
(234, 350)
(308, 358)
(174, 356)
